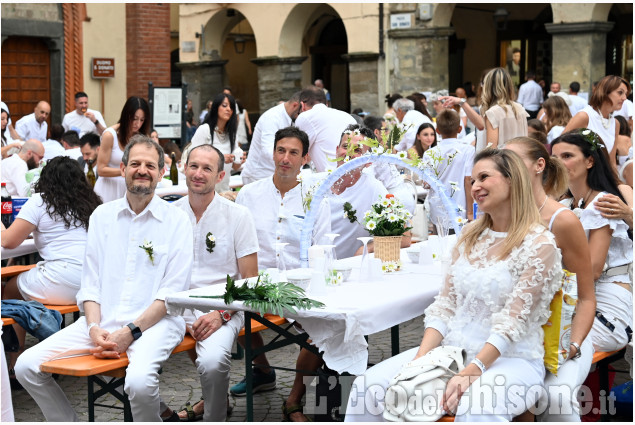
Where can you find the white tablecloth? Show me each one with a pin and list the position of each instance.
(26, 247)
(352, 310)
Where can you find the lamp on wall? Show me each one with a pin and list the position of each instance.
(239, 44)
(500, 18)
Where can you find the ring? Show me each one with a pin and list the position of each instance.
(612, 210)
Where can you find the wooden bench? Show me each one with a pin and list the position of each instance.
(95, 369)
(601, 358)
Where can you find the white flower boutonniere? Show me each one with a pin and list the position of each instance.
(149, 249)
(210, 241)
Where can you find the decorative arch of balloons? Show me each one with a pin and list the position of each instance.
(439, 188)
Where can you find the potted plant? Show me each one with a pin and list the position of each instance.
(387, 221)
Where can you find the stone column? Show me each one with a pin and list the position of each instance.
(278, 78)
(588, 41)
(363, 80)
(419, 59)
(205, 79)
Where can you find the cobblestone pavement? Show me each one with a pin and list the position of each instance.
(180, 383)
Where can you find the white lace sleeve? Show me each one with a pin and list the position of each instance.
(440, 312)
(537, 269)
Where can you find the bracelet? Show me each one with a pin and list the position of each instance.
(578, 352)
(91, 325)
(479, 364)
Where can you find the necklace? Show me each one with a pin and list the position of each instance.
(582, 202)
(543, 204)
(605, 121)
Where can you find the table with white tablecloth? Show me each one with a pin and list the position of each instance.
(25, 248)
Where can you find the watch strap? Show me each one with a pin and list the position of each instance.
(578, 350)
(136, 332)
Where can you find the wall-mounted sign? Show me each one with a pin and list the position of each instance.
(103, 67)
(401, 20)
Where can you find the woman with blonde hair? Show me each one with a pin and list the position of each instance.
(549, 181)
(495, 298)
(504, 118)
(557, 115)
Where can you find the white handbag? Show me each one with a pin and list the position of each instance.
(420, 379)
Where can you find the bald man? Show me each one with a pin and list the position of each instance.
(34, 126)
(15, 167)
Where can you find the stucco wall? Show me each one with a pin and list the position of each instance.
(105, 36)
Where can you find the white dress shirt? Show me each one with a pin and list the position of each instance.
(13, 174)
(73, 153)
(361, 195)
(118, 274)
(577, 104)
(530, 95)
(235, 236)
(259, 162)
(53, 148)
(280, 219)
(414, 119)
(28, 128)
(82, 124)
(324, 126)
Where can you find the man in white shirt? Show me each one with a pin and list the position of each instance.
(276, 203)
(530, 95)
(15, 167)
(84, 120)
(259, 163)
(456, 168)
(406, 114)
(232, 252)
(34, 126)
(322, 124)
(53, 147)
(139, 250)
(70, 141)
(577, 103)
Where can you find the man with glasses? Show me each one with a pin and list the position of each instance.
(259, 162)
(15, 167)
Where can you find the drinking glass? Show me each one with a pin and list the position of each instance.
(364, 268)
(280, 263)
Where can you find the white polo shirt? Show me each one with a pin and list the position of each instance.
(280, 219)
(82, 124)
(13, 174)
(235, 237)
(324, 126)
(259, 162)
(28, 128)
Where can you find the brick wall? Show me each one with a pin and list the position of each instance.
(148, 47)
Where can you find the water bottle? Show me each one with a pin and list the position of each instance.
(7, 206)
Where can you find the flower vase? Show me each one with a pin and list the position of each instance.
(387, 248)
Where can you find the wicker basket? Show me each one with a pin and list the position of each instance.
(387, 248)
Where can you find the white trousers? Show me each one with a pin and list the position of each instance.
(213, 362)
(146, 355)
(616, 304)
(51, 282)
(505, 390)
(561, 399)
(7, 405)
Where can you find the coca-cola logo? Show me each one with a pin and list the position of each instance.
(7, 208)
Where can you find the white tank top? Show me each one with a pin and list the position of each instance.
(595, 124)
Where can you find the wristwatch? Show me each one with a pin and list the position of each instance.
(462, 101)
(225, 315)
(578, 352)
(136, 332)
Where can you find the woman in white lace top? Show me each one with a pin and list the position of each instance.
(590, 178)
(549, 182)
(504, 273)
